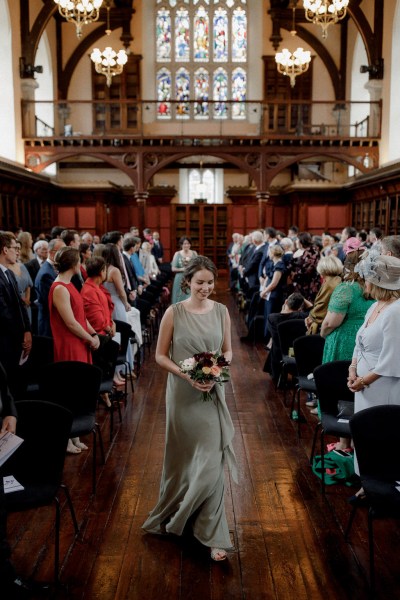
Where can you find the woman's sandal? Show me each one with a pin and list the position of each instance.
(218, 554)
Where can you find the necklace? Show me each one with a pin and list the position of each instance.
(377, 311)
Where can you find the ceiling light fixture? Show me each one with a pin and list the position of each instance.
(79, 12)
(293, 64)
(325, 12)
(109, 63)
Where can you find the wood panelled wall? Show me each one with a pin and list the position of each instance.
(35, 204)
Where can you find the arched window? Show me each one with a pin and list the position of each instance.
(201, 54)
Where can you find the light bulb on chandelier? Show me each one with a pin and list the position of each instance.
(325, 12)
(79, 12)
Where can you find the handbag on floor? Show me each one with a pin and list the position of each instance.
(337, 468)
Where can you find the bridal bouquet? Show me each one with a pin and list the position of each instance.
(206, 367)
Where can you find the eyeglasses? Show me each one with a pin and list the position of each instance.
(13, 247)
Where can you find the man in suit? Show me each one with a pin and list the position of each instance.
(43, 282)
(143, 305)
(251, 267)
(40, 249)
(15, 328)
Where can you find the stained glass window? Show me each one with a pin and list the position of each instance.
(210, 32)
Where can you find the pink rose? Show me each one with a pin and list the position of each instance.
(215, 371)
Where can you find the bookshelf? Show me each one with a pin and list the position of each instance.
(206, 225)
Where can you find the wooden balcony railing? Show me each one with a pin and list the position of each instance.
(284, 120)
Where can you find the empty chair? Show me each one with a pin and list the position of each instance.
(288, 331)
(76, 385)
(331, 383)
(40, 470)
(375, 433)
(41, 354)
(308, 351)
(126, 333)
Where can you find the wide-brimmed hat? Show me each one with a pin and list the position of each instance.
(381, 270)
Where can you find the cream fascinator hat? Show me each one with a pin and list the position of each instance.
(379, 269)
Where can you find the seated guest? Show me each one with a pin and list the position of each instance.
(330, 268)
(295, 307)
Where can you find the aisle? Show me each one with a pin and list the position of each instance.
(288, 540)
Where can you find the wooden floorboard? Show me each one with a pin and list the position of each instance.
(288, 539)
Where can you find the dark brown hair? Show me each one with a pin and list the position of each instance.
(66, 258)
(95, 266)
(197, 264)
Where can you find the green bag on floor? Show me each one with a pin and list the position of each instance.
(338, 469)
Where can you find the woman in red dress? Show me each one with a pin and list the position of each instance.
(73, 336)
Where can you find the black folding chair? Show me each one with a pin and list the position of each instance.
(375, 433)
(76, 385)
(331, 383)
(308, 351)
(39, 472)
(288, 331)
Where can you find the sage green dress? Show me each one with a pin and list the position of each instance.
(346, 298)
(178, 262)
(198, 440)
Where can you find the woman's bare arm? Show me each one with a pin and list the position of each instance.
(332, 321)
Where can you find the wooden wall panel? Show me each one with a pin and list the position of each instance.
(338, 217)
(66, 217)
(87, 217)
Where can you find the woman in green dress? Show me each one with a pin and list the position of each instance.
(198, 434)
(180, 260)
(346, 312)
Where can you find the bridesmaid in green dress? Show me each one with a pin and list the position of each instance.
(179, 262)
(198, 434)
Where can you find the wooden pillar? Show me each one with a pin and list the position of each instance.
(141, 198)
(262, 198)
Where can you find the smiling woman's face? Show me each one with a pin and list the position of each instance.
(202, 284)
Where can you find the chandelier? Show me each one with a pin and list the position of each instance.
(109, 62)
(80, 12)
(293, 64)
(325, 12)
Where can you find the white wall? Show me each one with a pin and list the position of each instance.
(7, 114)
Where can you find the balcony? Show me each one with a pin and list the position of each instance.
(127, 122)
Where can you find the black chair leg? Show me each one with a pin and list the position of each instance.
(350, 523)
(100, 437)
(71, 507)
(57, 544)
(317, 428)
(94, 462)
(371, 550)
(322, 462)
(298, 413)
